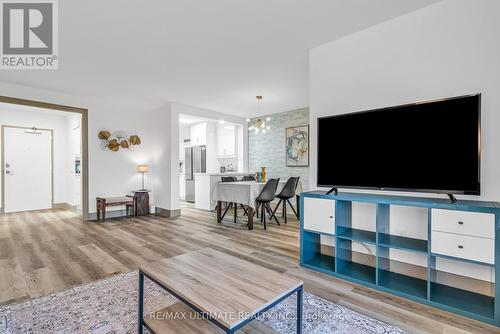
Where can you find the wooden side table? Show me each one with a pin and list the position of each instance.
(142, 202)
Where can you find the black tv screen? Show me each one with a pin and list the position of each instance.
(428, 147)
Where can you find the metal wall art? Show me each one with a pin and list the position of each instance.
(116, 140)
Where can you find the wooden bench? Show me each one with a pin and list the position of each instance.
(103, 202)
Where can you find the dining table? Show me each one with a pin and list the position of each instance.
(245, 193)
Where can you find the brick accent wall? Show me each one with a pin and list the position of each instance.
(268, 149)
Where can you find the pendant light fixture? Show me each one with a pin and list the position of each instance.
(258, 125)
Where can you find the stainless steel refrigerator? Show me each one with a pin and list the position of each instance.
(196, 162)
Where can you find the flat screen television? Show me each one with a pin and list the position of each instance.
(422, 147)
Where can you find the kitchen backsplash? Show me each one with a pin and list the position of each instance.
(225, 162)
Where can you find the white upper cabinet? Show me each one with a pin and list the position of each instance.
(226, 140)
(199, 134)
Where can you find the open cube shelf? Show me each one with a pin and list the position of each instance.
(407, 278)
(354, 264)
(400, 261)
(469, 294)
(312, 255)
(358, 271)
(324, 262)
(405, 284)
(399, 242)
(356, 235)
(464, 300)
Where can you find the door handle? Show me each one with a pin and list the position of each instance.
(9, 172)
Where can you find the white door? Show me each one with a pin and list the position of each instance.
(28, 169)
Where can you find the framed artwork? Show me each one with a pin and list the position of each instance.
(297, 146)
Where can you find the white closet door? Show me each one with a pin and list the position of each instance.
(28, 170)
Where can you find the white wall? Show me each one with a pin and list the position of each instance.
(165, 129)
(447, 49)
(73, 148)
(114, 173)
(211, 146)
(55, 122)
(184, 134)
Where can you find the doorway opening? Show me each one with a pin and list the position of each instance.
(207, 147)
(43, 156)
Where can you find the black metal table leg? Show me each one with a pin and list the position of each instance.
(300, 296)
(228, 206)
(140, 328)
(235, 205)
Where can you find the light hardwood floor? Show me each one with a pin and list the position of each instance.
(47, 251)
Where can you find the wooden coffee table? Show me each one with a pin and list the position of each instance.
(218, 293)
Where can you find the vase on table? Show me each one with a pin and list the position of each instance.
(263, 173)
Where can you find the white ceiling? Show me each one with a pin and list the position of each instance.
(191, 119)
(214, 54)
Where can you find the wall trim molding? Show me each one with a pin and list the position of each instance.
(121, 213)
(63, 205)
(166, 213)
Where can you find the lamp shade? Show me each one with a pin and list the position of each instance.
(142, 168)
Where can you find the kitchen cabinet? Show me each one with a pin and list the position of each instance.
(226, 140)
(199, 134)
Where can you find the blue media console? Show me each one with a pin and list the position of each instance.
(453, 269)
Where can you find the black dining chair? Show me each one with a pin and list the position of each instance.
(285, 195)
(248, 178)
(229, 179)
(266, 196)
(230, 205)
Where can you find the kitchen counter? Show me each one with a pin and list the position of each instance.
(225, 174)
(205, 185)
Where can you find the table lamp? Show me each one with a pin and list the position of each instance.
(143, 169)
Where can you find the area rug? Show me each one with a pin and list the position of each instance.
(109, 306)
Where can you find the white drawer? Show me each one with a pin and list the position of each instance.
(319, 215)
(462, 222)
(463, 246)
